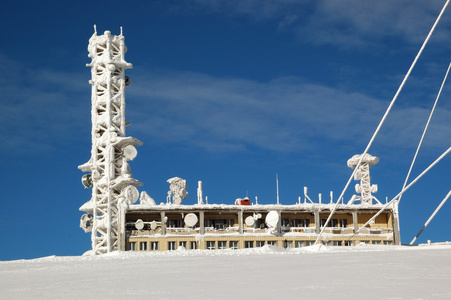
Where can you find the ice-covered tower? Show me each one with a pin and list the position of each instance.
(365, 188)
(113, 187)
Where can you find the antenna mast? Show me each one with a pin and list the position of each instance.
(113, 187)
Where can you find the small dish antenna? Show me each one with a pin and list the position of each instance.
(190, 220)
(139, 224)
(250, 221)
(129, 152)
(86, 180)
(131, 193)
(86, 222)
(153, 225)
(272, 219)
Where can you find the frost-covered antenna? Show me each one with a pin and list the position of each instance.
(112, 184)
(177, 190)
(365, 188)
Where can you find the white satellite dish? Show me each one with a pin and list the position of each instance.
(272, 219)
(153, 225)
(139, 224)
(190, 220)
(129, 152)
(131, 193)
(250, 221)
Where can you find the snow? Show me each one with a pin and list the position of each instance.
(359, 272)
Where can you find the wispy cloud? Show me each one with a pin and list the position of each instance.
(40, 109)
(283, 115)
(347, 23)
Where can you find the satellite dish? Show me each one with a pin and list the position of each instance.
(153, 225)
(358, 188)
(250, 221)
(86, 222)
(129, 152)
(190, 220)
(86, 180)
(131, 193)
(272, 219)
(139, 224)
(183, 193)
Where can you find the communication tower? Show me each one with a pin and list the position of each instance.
(365, 188)
(113, 187)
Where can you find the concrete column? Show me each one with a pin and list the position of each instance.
(121, 226)
(163, 224)
(355, 220)
(240, 222)
(202, 222)
(317, 222)
(396, 230)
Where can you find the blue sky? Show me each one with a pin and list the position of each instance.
(227, 92)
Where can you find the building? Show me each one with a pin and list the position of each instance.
(117, 221)
(164, 227)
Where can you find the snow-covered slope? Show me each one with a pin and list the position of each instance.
(360, 272)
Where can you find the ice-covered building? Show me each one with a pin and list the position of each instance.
(119, 218)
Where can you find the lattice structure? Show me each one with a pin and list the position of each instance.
(112, 184)
(365, 188)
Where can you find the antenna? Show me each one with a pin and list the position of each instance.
(139, 224)
(277, 183)
(250, 221)
(272, 219)
(190, 220)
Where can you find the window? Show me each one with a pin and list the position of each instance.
(142, 246)
(288, 244)
(333, 223)
(305, 223)
(260, 244)
(349, 243)
(376, 242)
(182, 244)
(211, 245)
(170, 224)
(298, 244)
(249, 244)
(132, 246)
(193, 245)
(336, 243)
(179, 224)
(208, 223)
(285, 222)
(343, 223)
(388, 242)
(294, 223)
(171, 245)
(309, 243)
(233, 244)
(326, 243)
(230, 223)
(222, 245)
(323, 222)
(153, 246)
(272, 243)
(260, 223)
(219, 224)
